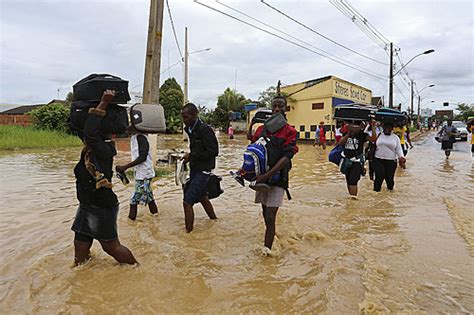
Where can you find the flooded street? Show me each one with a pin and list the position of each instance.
(411, 250)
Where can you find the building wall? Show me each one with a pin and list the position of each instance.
(18, 120)
(314, 104)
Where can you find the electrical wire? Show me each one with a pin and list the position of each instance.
(380, 77)
(174, 30)
(279, 30)
(363, 27)
(318, 33)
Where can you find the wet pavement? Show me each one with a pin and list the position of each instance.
(410, 250)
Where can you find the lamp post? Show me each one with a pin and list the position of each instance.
(419, 101)
(391, 76)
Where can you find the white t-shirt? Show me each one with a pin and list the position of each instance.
(143, 170)
(388, 147)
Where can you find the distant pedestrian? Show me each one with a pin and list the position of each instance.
(403, 134)
(204, 149)
(387, 151)
(144, 173)
(230, 132)
(470, 128)
(447, 135)
(320, 138)
(338, 132)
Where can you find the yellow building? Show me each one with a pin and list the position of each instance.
(314, 101)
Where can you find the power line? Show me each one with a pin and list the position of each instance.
(323, 36)
(279, 30)
(168, 68)
(367, 23)
(174, 30)
(344, 9)
(380, 77)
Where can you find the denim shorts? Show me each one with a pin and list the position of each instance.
(196, 187)
(96, 222)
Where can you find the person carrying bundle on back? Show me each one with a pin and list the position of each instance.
(281, 147)
(352, 164)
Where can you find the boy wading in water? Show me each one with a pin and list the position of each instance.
(202, 160)
(96, 217)
(283, 143)
(144, 173)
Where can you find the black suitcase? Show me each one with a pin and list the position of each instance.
(357, 112)
(115, 120)
(92, 87)
(391, 116)
(262, 115)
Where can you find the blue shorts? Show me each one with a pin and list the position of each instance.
(196, 187)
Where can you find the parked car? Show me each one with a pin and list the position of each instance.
(462, 130)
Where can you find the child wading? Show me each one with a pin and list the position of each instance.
(144, 173)
(283, 144)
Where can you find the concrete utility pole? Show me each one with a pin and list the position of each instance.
(151, 81)
(186, 69)
(390, 84)
(186, 76)
(411, 101)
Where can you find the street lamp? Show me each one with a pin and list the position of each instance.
(419, 101)
(390, 95)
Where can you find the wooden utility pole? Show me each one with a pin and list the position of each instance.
(151, 81)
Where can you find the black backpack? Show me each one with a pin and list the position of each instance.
(114, 122)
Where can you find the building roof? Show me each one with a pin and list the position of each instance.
(310, 83)
(21, 110)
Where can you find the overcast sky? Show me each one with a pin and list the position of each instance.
(49, 45)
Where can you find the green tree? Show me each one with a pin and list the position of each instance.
(171, 98)
(69, 98)
(227, 102)
(51, 117)
(265, 98)
(465, 111)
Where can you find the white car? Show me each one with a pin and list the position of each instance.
(462, 130)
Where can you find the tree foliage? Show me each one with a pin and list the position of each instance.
(227, 102)
(465, 111)
(171, 98)
(51, 117)
(265, 98)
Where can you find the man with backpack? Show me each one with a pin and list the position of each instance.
(202, 160)
(281, 146)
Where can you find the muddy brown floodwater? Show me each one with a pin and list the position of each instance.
(411, 250)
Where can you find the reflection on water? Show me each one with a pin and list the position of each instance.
(410, 250)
